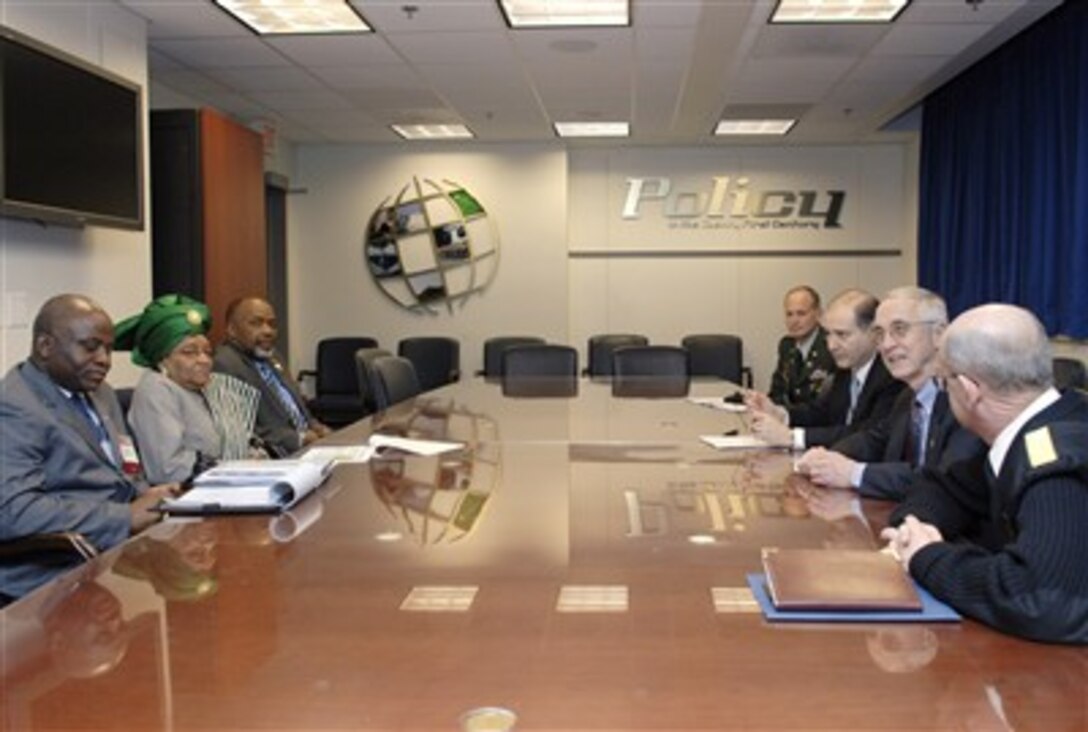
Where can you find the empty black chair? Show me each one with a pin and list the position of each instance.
(364, 373)
(1069, 373)
(394, 381)
(124, 398)
(650, 371)
(540, 370)
(336, 399)
(493, 350)
(437, 359)
(717, 355)
(601, 347)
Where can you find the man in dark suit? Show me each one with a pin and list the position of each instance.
(1000, 537)
(805, 364)
(861, 389)
(66, 460)
(283, 420)
(920, 430)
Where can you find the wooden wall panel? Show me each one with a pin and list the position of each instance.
(235, 259)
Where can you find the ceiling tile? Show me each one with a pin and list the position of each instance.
(369, 77)
(337, 50)
(264, 79)
(461, 47)
(766, 81)
(186, 19)
(813, 41)
(213, 53)
(929, 40)
(436, 15)
(988, 12)
(310, 99)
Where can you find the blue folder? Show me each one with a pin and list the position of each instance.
(933, 610)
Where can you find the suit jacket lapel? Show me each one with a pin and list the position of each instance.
(63, 409)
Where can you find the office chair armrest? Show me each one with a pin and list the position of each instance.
(304, 373)
(746, 376)
(59, 542)
(455, 375)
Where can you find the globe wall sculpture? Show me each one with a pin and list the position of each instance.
(431, 244)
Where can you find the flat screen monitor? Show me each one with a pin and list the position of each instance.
(71, 143)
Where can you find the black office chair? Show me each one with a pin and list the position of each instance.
(437, 359)
(650, 371)
(540, 370)
(395, 381)
(600, 350)
(1069, 373)
(336, 399)
(493, 350)
(364, 375)
(718, 355)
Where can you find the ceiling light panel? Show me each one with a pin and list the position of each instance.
(593, 129)
(565, 13)
(276, 17)
(837, 11)
(433, 132)
(754, 126)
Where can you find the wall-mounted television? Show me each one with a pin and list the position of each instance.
(71, 146)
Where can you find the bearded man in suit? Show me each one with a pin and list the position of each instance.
(284, 422)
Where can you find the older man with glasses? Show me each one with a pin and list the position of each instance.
(1001, 537)
(920, 431)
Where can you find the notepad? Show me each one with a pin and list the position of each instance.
(838, 579)
(933, 610)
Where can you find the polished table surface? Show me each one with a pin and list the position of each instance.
(409, 591)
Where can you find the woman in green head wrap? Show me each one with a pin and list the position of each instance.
(176, 429)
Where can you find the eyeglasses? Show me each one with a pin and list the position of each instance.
(943, 380)
(899, 329)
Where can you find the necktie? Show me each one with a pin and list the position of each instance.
(87, 411)
(918, 432)
(855, 390)
(915, 449)
(286, 398)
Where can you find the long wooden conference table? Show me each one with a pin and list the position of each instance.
(580, 564)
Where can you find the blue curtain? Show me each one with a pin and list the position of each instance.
(1003, 191)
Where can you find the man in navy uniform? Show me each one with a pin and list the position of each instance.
(1001, 537)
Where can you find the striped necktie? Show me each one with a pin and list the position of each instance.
(90, 415)
(275, 382)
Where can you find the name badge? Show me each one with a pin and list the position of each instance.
(130, 459)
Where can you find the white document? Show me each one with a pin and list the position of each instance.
(415, 447)
(377, 444)
(718, 403)
(337, 454)
(249, 486)
(735, 442)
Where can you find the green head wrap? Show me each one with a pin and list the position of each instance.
(163, 324)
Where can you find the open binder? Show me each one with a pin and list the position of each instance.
(249, 486)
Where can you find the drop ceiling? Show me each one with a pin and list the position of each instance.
(678, 69)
